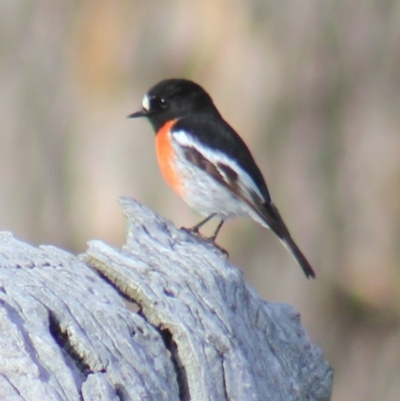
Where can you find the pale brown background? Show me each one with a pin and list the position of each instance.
(313, 86)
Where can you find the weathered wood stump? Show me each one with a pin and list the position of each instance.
(164, 318)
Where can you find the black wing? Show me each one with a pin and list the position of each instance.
(219, 135)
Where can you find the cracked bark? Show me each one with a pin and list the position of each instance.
(198, 331)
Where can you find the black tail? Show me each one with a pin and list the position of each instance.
(274, 221)
(298, 255)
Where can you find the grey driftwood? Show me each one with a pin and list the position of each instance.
(166, 317)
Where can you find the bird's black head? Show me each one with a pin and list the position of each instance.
(174, 98)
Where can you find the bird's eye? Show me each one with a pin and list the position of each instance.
(151, 102)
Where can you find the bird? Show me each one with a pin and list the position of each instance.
(207, 163)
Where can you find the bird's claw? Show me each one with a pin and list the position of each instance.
(209, 240)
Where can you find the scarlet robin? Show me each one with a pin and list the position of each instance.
(207, 163)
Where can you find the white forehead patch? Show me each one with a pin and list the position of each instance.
(146, 103)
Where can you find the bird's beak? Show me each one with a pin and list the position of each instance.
(140, 113)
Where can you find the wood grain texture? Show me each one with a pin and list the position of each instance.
(164, 318)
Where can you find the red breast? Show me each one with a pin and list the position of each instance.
(165, 156)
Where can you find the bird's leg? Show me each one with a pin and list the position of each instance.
(214, 236)
(195, 229)
(211, 240)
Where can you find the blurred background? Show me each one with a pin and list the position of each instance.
(312, 86)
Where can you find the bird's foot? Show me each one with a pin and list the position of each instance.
(210, 240)
(192, 230)
(219, 248)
